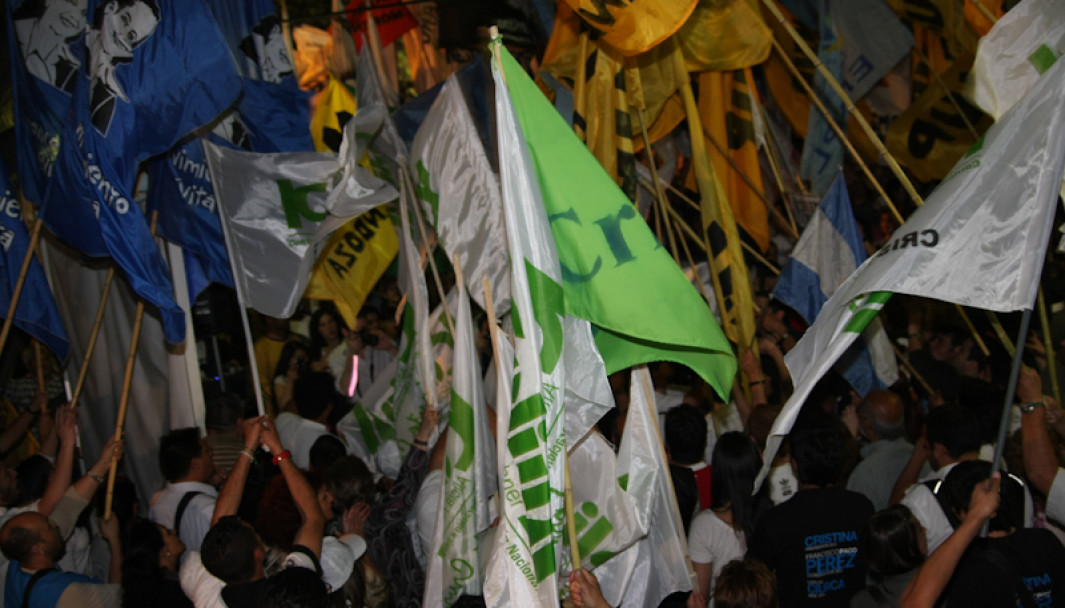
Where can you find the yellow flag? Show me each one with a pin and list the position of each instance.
(333, 107)
(932, 134)
(601, 114)
(944, 17)
(788, 93)
(727, 117)
(352, 261)
(633, 26)
(732, 288)
(724, 35)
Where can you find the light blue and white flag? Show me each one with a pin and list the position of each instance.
(979, 240)
(829, 250)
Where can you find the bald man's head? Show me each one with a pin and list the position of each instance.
(31, 537)
(881, 414)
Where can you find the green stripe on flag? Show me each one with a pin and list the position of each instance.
(865, 308)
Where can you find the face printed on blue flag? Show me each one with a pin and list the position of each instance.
(36, 313)
(46, 50)
(156, 70)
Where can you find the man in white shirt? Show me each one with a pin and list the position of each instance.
(315, 399)
(187, 502)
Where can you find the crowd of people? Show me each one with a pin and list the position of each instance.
(874, 500)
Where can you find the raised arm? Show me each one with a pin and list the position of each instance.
(1040, 463)
(66, 426)
(310, 531)
(229, 498)
(932, 578)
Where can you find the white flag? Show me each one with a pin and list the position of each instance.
(658, 564)
(1023, 45)
(454, 565)
(460, 193)
(978, 240)
(532, 472)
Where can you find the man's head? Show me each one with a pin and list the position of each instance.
(953, 433)
(880, 416)
(947, 344)
(32, 539)
(685, 435)
(315, 396)
(184, 456)
(958, 491)
(232, 551)
(817, 450)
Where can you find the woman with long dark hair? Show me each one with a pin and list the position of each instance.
(719, 534)
(149, 567)
(328, 349)
(293, 363)
(895, 548)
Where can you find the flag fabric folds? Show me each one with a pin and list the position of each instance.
(469, 481)
(829, 250)
(634, 27)
(460, 195)
(978, 240)
(36, 313)
(131, 101)
(535, 440)
(613, 271)
(1011, 57)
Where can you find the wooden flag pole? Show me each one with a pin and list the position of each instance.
(848, 103)
(1048, 346)
(659, 195)
(97, 324)
(38, 359)
(770, 154)
(35, 237)
(571, 520)
(127, 380)
(838, 131)
(747, 180)
(418, 219)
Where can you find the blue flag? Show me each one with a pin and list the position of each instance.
(154, 71)
(830, 250)
(822, 151)
(46, 50)
(272, 116)
(36, 313)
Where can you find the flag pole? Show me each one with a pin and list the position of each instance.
(127, 380)
(774, 147)
(747, 180)
(571, 521)
(659, 194)
(257, 388)
(35, 238)
(409, 187)
(38, 358)
(1011, 389)
(1048, 346)
(840, 134)
(848, 103)
(785, 194)
(97, 324)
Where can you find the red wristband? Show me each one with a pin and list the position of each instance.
(285, 455)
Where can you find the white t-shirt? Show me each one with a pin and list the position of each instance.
(712, 541)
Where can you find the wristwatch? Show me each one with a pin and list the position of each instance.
(1029, 406)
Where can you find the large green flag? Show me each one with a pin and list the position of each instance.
(615, 274)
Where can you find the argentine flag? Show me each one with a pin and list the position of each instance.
(829, 251)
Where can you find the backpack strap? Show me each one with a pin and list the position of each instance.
(935, 486)
(182, 505)
(38, 575)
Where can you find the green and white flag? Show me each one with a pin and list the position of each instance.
(614, 273)
(1021, 47)
(656, 564)
(454, 564)
(979, 240)
(532, 468)
(460, 194)
(387, 150)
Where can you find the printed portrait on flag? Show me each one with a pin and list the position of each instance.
(45, 30)
(118, 28)
(266, 46)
